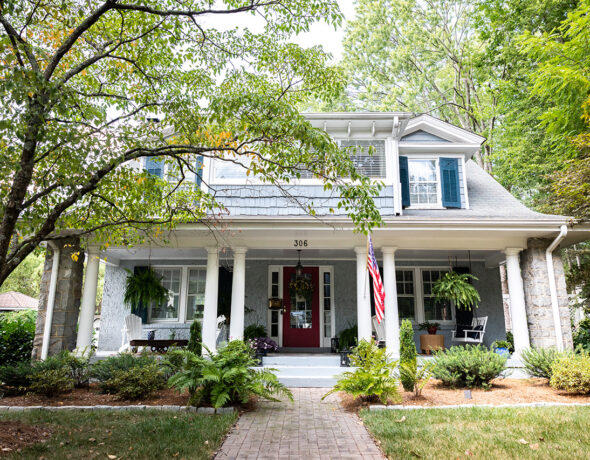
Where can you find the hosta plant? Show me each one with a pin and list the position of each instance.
(374, 376)
(226, 378)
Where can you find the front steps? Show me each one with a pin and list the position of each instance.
(309, 370)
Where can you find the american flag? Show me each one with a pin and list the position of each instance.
(377, 284)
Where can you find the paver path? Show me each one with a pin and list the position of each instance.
(307, 429)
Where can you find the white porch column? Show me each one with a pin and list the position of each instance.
(391, 311)
(88, 305)
(210, 308)
(363, 300)
(520, 328)
(236, 325)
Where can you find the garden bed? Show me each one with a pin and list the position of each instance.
(503, 391)
(92, 397)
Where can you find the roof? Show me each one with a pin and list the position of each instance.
(17, 301)
(488, 200)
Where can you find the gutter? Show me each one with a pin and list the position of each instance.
(50, 300)
(553, 287)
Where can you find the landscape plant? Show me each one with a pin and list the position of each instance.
(418, 376)
(263, 345)
(136, 382)
(407, 360)
(51, 382)
(571, 373)
(15, 379)
(374, 375)
(17, 331)
(143, 288)
(347, 337)
(469, 366)
(538, 362)
(581, 335)
(430, 327)
(227, 377)
(105, 369)
(195, 339)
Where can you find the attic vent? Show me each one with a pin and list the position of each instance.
(367, 164)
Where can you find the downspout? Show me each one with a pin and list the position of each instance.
(50, 300)
(553, 287)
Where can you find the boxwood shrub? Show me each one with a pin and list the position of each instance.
(571, 373)
(470, 366)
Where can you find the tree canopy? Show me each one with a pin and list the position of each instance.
(82, 81)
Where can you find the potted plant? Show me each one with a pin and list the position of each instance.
(346, 340)
(455, 287)
(428, 326)
(261, 346)
(502, 347)
(143, 288)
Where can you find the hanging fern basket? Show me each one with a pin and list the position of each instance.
(456, 288)
(143, 288)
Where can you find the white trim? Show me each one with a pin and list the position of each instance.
(442, 129)
(325, 341)
(182, 296)
(465, 188)
(279, 269)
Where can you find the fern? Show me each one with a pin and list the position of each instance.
(143, 288)
(456, 288)
(227, 378)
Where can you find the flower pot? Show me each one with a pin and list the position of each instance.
(258, 357)
(502, 351)
(432, 330)
(334, 344)
(430, 343)
(151, 335)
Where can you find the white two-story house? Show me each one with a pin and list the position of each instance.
(441, 212)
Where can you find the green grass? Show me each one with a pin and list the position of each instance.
(549, 432)
(145, 434)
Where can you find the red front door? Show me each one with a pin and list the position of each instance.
(301, 321)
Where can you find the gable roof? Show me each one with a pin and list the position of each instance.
(488, 200)
(442, 129)
(13, 300)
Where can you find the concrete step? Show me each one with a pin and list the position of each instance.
(316, 371)
(301, 360)
(308, 381)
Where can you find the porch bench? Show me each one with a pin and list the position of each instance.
(158, 345)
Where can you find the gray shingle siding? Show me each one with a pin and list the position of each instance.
(268, 200)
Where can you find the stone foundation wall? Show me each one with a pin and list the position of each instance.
(538, 296)
(67, 298)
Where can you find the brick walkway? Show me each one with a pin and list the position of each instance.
(307, 429)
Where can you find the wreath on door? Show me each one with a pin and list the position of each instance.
(300, 287)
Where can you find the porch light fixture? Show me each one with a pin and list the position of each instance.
(299, 267)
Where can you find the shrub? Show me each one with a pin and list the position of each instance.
(348, 337)
(572, 374)
(17, 331)
(470, 366)
(417, 376)
(136, 382)
(105, 370)
(16, 378)
(51, 382)
(172, 362)
(374, 376)
(254, 330)
(538, 361)
(78, 367)
(226, 378)
(263, 344)
(582, 335)
(510, 340)
(407, 348)
(195, 339)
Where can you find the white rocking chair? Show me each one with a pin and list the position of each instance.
(379, 330)
(473, 335)
(131, 331)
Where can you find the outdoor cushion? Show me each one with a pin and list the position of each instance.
(475, 335)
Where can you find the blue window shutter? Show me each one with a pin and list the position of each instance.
(199, 170)
(404, 178)
(154, 166)
(449, 177)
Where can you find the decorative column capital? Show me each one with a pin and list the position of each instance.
(512, 251)
(93, 251)
(360, 250)
(389, 249)
(212, 250)
(239, 251)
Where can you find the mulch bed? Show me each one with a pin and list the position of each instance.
(15, 435)
(92, 397)
(503, 391)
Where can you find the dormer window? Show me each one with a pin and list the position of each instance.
(423, 182)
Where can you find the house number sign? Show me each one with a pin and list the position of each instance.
(300, 243)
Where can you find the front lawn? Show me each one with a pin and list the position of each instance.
(136, 434)
(542, 432)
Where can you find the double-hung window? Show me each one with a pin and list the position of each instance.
(368, 156)
(423, 182)
(406, 300)
(433, 310)
(195, 302)
(168, 310)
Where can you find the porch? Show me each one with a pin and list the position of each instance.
(245, 280)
